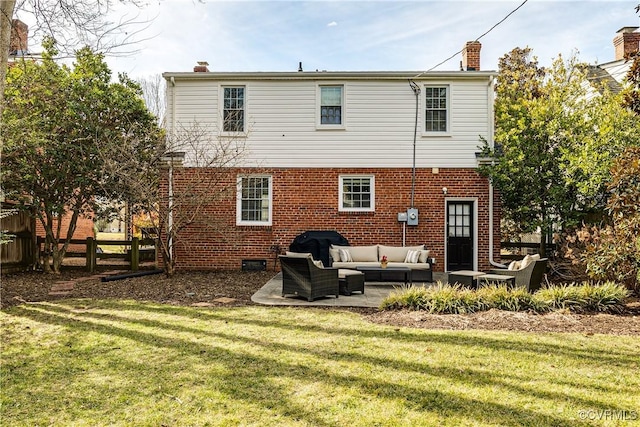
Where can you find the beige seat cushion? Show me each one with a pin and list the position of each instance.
(397, 253)
(343, 272)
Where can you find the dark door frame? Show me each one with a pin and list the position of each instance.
(474, 207)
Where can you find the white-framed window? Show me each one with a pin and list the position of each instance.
(436, 109)
(331, 111)
(254, 200)
(357, 193)
(233, 108)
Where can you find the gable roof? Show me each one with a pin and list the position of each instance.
(601, 79)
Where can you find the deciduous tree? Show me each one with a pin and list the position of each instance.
(72, 23)
(57, 120)
(556, 139)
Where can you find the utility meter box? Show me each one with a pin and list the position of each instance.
(402, 217)
(412, 216)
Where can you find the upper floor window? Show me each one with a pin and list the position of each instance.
(254, 200)
(331, 105)
(436, 109)
(357, 193)
(233, 109)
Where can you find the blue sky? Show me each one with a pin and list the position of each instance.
(352, 35)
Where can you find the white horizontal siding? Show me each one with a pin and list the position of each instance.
(379, 123)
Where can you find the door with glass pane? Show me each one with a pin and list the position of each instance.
(460, 235)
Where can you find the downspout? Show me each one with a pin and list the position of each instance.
(491, 207)
(491, 229)
(173, 130)
(170, 216)
(173, 105)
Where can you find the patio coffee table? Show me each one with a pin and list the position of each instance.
(465, 277)
(379, 270)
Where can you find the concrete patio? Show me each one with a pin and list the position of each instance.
(374, 293)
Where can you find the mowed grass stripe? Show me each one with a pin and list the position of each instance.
(85, 362)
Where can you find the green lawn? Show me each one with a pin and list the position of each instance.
(91, 363)
(112, 249)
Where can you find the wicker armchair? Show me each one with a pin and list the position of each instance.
(301, 277)
(529, 277)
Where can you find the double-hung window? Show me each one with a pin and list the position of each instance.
(254, 200)
(331, 112)
(233, 109)
(436, 109)
(357, 193)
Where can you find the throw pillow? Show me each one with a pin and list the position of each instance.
(318, 264)
(412, 256)
(525, 262)
(514, 265)
(424, 255)
(345, 255)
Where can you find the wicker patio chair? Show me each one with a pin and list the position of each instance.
(529, 277)
(301, 277)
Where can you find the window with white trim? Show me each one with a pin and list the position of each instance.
(254, 200)
(357, 193)
(233, 109)
(436, 108)
(331, 106)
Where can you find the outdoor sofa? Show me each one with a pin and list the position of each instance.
(414, 257)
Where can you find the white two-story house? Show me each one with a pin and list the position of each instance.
(380, 157)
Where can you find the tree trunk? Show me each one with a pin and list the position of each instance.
(6, 14)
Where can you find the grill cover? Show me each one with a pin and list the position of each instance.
(317, 243)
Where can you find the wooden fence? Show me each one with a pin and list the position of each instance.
(550, 248)
(134, 255)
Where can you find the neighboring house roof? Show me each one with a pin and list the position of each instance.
(612, 75)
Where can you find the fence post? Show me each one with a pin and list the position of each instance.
(135, 254)
(91, 254)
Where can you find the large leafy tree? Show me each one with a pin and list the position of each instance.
(72, 23)
(56, 123)
(556, 139)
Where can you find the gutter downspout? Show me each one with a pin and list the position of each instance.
(170, 161)
(491, 230)
(490, 99)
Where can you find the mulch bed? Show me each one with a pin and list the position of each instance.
(235, 288)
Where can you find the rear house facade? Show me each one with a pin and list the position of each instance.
(380, 157)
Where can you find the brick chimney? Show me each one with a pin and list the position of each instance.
(202, 67)
(19, 38)
(471, 56)
(626, 41)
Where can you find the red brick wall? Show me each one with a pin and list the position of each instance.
(19, 36)
(84, 229)
(626, 43)
(307, 199)
(471, 56)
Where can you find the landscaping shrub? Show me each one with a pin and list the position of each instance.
(503, 298)
(410, 297)
(440, 298)
(611, 252)
(454, 299)
(587, 297)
